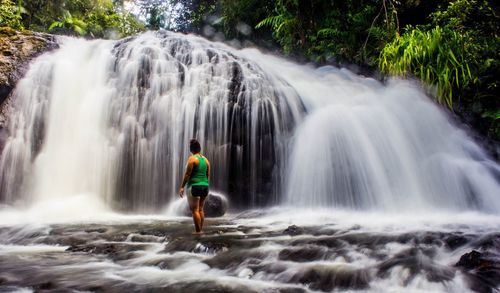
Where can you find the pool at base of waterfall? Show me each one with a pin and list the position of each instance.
(270, 250)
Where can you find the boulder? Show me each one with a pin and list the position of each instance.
(293, 230)
(473, 260)
(482, 269)
(215, 206)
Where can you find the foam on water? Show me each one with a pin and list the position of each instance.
(258, 260)
(372, 221)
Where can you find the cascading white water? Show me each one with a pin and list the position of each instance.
(111, 120)
(365, 145)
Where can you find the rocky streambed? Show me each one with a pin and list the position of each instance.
(249, 252)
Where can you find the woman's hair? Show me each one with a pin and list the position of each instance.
(194, 146)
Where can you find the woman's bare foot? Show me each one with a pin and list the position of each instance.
(197, 233)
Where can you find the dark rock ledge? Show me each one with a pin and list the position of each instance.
(17, 49)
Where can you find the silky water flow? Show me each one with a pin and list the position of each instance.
(337, 181)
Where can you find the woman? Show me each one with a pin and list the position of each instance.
(197, 178)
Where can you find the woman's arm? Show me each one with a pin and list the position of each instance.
(187, 174)
(208, 169)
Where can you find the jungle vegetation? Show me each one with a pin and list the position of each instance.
(452, 46)
(90, 18)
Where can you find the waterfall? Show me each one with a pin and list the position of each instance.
(111, 121)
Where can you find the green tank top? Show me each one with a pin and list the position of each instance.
(199, 173)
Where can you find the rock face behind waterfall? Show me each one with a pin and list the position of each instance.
(17, 49)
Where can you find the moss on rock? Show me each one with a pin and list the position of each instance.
(17, 49)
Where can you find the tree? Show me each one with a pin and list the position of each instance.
(92, 18)
(458, 53)
(176, 15)
(339, 29)
(10, 14)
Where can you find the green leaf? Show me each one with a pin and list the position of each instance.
(495, 115)
(55, 24)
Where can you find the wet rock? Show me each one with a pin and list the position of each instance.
(64, 240)
(46, 286)
(489, 241)
(243, 255)
(180, 244)
(418, 260)
(323, 231)
(475, 260)
(6, 278)
(429, 238)
(96, 230)
(206, 286)
(116, 251)
(303, 254)
(145, 238)
(293, 230)
(215, 206)
(211, 247)
(327, 241)
(371, 240)
(197, 245)
(453, 242)
(236, 79)
(234, 258)
(267, 268)
(291, 290)
(483, 270)
(328, 278)
(16, 50)
(116, 237)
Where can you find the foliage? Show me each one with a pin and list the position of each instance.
(479, 20)
(194, 15)
(93, 18)
(10, 14)
(155, 12)
(105, 21)
(458, 53)
(464, 15)
(70, 23)
(438, 56)
(176, 15)
(236, 24)
(285, 27)
(325, 29)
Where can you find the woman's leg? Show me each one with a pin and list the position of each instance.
(194, 203)
(201, 212)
